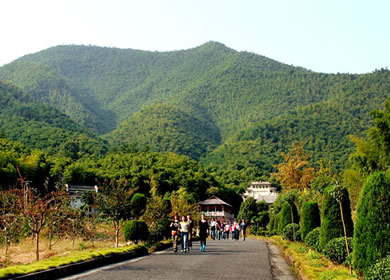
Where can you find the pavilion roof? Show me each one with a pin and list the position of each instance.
(214, 201)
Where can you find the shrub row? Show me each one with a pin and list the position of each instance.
(371, 235)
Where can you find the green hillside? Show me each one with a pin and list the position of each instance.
(194, 100)
(43, 127)
(164, 127)
(322, 127)
(223, 85)
(48, 87)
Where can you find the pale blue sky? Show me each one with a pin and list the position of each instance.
(346, 36)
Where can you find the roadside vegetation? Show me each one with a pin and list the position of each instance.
(310, 263)
(67, 257)
(315, 222)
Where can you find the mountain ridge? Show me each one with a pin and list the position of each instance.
(213, 86)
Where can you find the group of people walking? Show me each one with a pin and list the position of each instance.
(222, 229)
(185, 230)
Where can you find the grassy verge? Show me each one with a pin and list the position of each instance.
(311, 264)
(71, 257)
(159, 246)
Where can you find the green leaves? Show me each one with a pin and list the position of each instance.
(167, 128)
(372, 230)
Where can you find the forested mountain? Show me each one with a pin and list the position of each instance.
(42, 127)
(229, 108)
(164, 127)
(48, 87)
(323, 127)
(212, 81)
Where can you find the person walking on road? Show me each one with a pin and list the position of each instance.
(190, 228)
(221, 229)
(227, 230)
(217, 237)
(175, 231)
(212, 228)
(243, 229)
(236, 230)
(184, 234)
(203, 232)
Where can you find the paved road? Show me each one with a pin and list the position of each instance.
(223, 259)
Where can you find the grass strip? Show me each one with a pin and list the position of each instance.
(159, 246)
(57, 261)
(311, 264)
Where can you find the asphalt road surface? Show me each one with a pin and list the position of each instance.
(223, 259)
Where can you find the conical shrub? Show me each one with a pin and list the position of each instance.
(285, 216)
(331, 222)
(372, 229)
(310, 218)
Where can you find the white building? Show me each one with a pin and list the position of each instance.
(261, 191)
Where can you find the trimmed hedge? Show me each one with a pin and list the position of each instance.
(336, 249)
(285, 216)
(380, 270)
(273, 224)
(136, 230)
(138, 204)
(310, 218)
(331, 222)
(312, 239)
(288, 232)
(372, 229)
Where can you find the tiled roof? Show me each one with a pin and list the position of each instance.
(214, 201)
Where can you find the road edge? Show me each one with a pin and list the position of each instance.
(83, 266)
(280, 263)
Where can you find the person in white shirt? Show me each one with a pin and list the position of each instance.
(184, 228)
(212, 228)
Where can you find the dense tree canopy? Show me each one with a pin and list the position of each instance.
(373, 154)
(252, 106)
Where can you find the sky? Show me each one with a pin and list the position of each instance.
(345, 36)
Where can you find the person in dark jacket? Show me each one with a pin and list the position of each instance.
(203, 232)
(175, 231)
(243, 229)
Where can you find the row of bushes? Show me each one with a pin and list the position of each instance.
(369, 240)
(329, 223)
(336, 251)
